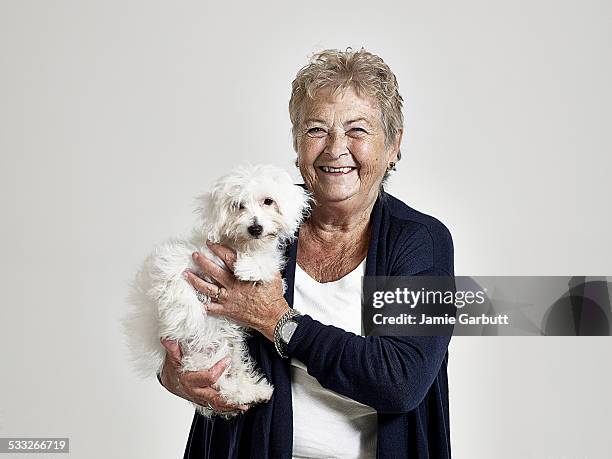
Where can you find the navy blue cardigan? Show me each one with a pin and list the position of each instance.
(403, 378)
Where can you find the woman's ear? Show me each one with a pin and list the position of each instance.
(394, 150)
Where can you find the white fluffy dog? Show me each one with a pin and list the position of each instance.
(255, 210)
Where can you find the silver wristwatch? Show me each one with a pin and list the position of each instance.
(284, 330)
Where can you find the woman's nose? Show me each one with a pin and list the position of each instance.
(336, 144)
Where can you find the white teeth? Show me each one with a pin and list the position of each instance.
(344, 170)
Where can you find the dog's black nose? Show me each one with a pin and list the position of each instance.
(255, 230)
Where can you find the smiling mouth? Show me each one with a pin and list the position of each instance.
(337, 170)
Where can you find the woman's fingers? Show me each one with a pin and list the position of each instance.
(206, 378)
(197, 386)
(210, 268)
(173, 350)
(208, 395)
(215, 292)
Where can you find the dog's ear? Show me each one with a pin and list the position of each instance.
(294, 203)
(212, 213)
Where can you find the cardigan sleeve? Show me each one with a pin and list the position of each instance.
(388, 373)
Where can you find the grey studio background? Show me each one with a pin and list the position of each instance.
(113, 115)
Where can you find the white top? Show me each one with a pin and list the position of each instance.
(325, 423)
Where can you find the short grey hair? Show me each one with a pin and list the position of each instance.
(338, 70)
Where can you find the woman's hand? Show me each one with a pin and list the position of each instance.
(194, 385)
(255, 305)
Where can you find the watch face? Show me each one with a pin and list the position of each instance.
(287, 330)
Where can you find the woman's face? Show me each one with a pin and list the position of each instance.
(341, 147)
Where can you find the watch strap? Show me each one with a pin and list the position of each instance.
(279, 345)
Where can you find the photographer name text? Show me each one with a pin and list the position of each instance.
(424, 319)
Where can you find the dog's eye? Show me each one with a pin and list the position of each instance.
(238, 206)
(268, 201)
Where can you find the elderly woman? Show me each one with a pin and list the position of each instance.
(337, 393)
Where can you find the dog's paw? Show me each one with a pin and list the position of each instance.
(249, 388)
(262, 391)
(252, 393)
(247, 269)
(207, 412)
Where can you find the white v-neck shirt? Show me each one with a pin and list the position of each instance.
(325, 423)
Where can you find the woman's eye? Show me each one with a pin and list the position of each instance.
(268, 201)
(358, 130)
(316, 132)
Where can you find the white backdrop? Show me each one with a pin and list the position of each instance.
(114, 114)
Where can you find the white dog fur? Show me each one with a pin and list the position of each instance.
(164, 304)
